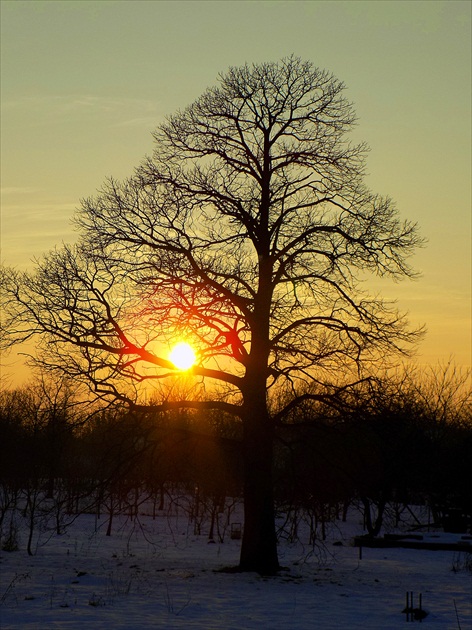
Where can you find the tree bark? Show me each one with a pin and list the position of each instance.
(259, 543)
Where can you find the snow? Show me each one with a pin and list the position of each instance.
(154, 573)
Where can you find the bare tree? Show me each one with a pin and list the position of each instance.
(247, 232)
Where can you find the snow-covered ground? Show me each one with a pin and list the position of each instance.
(157, 574)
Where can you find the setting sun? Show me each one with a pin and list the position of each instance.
(182, 356)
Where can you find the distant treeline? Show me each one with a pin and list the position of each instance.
(396, 442)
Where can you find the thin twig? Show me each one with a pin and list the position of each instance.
(457, 615)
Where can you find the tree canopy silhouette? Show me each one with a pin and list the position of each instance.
(247, 233)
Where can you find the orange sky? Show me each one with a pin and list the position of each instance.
(84, 83)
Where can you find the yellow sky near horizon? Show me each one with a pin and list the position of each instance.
(84, 83)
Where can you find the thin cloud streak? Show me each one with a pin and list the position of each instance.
(63, 105)
(46, 225)
(18, 190)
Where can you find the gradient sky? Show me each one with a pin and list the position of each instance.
(84, 83)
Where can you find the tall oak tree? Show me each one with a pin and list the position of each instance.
(247, 233)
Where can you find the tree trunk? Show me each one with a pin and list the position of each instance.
(31, 504)
(259, 544)
(374, 527)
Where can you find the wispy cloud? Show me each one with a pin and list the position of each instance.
(143, 121)
(119, 111)
(18, 190)
(30, 230)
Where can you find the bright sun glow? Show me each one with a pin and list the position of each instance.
(182, 356)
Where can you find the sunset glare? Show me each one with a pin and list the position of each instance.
(182, 356)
